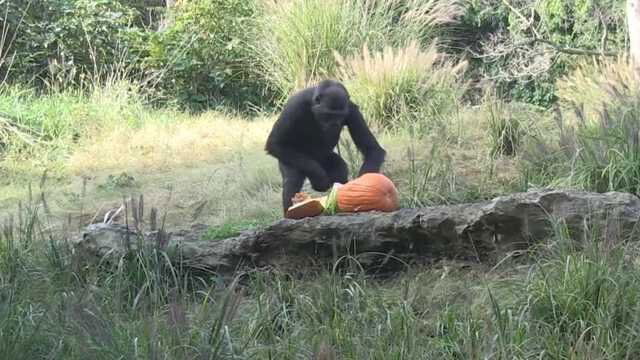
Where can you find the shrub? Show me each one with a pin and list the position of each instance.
(57, 41)
(404, 87)
(500, 36)
(204, 54)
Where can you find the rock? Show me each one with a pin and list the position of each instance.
(482, 231)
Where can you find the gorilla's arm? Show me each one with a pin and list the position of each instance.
(373, 153)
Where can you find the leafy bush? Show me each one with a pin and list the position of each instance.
(405, 87)
(503, 39)
(582, 23)
(60, 41)
(204, 54)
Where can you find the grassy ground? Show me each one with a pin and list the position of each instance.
(69, 156)
(211, 168)
(560, 302)
(556, 302)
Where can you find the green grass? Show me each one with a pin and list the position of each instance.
(300, 38)
(231, 229)
(562, 300)
(53, 124)
(570, 302)
(506, 128)
(594, 144)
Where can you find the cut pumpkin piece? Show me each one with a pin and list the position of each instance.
(307, 208)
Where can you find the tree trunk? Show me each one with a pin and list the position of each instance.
(485, 231)
(633, 21)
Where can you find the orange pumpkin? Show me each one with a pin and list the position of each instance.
(371, 191)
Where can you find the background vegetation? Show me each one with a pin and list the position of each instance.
(101, 100)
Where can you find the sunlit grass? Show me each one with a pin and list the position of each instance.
(185, 141)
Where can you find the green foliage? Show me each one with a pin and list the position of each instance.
(607, 154)
(61, 116)
(39, 130)
(204, 54)
(581, 295)
(598, 144)
(524, 70)
(247, 53)
(578, 300)
(594, 145)
(231, 229)
(430, 176)
(541, 162)
(61, 41)
(582, 23)
(299, 38)
(123, 180)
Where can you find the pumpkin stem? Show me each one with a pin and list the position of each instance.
(331, 204)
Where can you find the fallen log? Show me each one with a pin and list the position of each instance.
(482, 231)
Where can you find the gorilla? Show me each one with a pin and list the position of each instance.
(306, 132)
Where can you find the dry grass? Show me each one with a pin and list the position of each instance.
(225, 175)
(405, 86)
(212, 168)
(379, 68)
(594, 85)
(211, 137)
(424, 16)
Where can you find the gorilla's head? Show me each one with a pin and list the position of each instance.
(330, 104)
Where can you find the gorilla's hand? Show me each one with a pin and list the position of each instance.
(320, 181)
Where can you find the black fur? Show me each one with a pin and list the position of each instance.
(307, 131)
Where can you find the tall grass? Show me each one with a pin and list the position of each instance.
(112, 127)
(576, 301)
(580, 297)
(599, 131)
(595, 84)
(56, 122)
(299, 38)
(404, 88)
(606, 156)
(507, 125)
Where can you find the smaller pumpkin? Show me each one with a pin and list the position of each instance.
(305, 206)
(369, 192)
